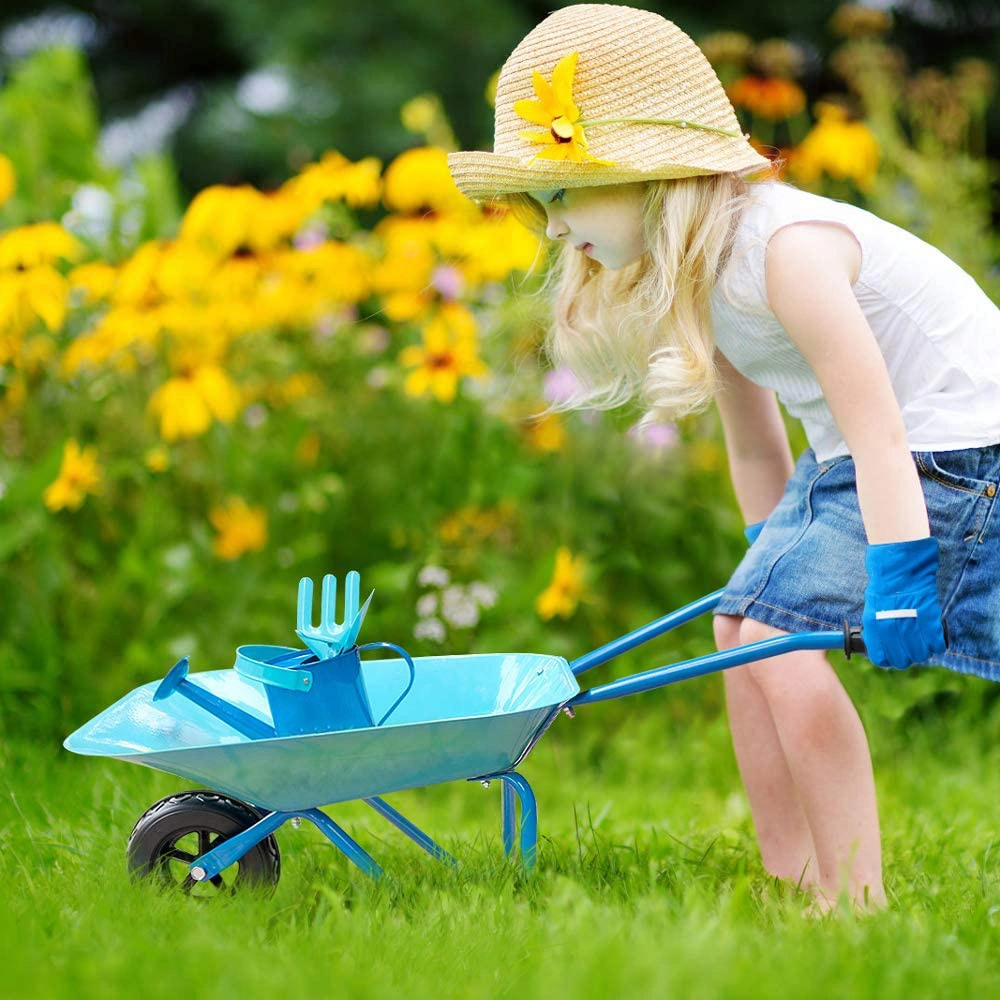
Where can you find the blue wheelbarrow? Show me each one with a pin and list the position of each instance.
(287, 730)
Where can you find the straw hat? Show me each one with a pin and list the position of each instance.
(604, 94)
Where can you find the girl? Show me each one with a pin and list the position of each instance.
(683, 281)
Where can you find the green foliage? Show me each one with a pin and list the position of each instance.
(49, 129)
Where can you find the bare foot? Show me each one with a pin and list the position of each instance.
(822, 903)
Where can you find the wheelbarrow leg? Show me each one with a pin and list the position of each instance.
(209, 864)
(354, 851)
(515, 787)
(413, 832)
(214, 861)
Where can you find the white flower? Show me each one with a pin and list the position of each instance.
(458, 609)
(433, 576)
(483, 594)
(429, 628)
(427, 605)
(267, 91)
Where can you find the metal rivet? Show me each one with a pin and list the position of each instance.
(991, 490)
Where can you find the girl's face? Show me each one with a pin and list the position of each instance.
(608, 217)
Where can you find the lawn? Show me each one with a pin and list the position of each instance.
(648, 881)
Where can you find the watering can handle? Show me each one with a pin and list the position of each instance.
(413, 672)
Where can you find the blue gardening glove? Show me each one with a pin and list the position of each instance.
(751, 531)
(902, 618)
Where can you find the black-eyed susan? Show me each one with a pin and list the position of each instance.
(545, 433)
(555, 109)
(241, 528)
(93, 281)
(448, 354)
(418, 180)
(37, 293)
(335, 178)
(837, 147)
(566, 589)
(226, 220)
(187, 403)
(8, 179)
(79, 475)
(41, 244)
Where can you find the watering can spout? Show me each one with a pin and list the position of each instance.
(176, 682)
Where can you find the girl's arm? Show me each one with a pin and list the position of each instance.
(760, 457)
(809, 271)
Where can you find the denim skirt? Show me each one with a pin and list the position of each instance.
(806, 569)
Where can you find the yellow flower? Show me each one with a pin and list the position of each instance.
(187, 403)
(96, 280)
(546, 433)
(226, 219)
(78, 476)
(13, 394)
(241, 528)
(37, 292)
(419, 113)
(157, 459)
(448, 354)
(8, 179)
(566, 589)
(837, 147)
(307, 450)
(335, 178)
(38, 245)
(555, 109)
(491, 88)
(418, 180)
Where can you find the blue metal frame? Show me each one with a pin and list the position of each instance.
(520, 834)
(648, 680)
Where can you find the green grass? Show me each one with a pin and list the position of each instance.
(649, 880)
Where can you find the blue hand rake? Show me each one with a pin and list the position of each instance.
(331, 638)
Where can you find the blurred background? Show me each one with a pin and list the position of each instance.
(250, 331)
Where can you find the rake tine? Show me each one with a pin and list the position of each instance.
(328, 615)
(305, 603)
(353, 593)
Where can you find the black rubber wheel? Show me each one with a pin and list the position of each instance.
(170, 834)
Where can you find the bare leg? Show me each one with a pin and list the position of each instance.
(786, 844)
(826, 750)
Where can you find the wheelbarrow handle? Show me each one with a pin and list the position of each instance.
(849, 639)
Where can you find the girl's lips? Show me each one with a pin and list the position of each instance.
(586, 247)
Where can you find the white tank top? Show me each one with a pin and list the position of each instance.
(937, 329)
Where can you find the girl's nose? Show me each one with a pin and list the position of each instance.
(555, 230)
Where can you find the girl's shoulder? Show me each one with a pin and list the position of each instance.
(771, 205)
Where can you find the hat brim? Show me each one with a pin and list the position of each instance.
(484, 176)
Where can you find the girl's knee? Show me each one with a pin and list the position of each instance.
(752, 630)
(793, 674)
(726, 629)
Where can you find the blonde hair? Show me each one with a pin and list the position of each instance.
(645, 331)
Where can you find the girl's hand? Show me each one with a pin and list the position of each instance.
(902, 616)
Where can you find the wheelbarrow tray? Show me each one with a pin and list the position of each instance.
(464, 716)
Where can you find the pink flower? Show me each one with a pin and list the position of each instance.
(448, 281)
(654, 437)
(560, 384)
(312, 236)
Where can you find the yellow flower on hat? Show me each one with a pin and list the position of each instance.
(556, 110)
